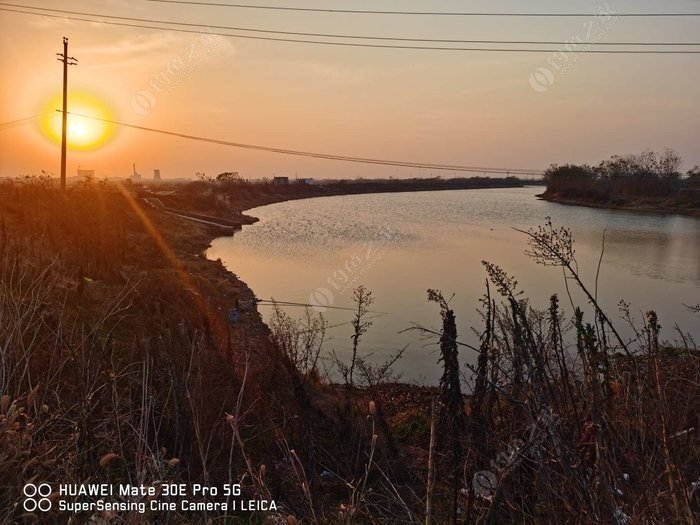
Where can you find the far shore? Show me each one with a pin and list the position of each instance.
(242, 196)
(659, 206)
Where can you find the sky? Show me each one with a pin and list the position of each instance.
(501, 110)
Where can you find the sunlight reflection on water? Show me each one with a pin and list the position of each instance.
(406, 243)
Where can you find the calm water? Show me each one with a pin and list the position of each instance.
(399, 245)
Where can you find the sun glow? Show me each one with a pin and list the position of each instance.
(83, 134)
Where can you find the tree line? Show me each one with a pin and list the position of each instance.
(645, 174)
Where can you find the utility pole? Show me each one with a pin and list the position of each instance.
(67, 61)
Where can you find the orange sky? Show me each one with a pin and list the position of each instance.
(426, 106)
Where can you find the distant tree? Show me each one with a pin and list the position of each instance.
(228, 176)
(86, 181)
(568, 171)
(645, 174)
(569, 178)
(647, 164)
(204, 177)
(44, 180)
(669, 164)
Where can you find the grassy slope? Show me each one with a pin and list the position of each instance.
(129, 306)
(132, 323)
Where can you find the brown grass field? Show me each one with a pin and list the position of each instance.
(118, 365)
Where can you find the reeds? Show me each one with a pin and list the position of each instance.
(114, 368)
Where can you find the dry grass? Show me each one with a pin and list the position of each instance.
(117, 365)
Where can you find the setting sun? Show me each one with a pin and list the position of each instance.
(83, 133)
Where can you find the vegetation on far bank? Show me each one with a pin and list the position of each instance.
(648, 180)
(228, 193)
(118, 365)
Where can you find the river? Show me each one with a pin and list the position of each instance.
(400, 244)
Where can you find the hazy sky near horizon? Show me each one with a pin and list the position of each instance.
(444, 107)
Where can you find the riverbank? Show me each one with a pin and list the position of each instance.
(642, 204)
(231, 199)
(121, 364)
(117, 343)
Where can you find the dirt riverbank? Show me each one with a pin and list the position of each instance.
(645, 205)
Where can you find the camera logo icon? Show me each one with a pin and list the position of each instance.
(36, 497)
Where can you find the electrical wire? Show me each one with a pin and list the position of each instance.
(344, 158)
(263, 302)
(21, 122)
(354, 37)
(271, 302)
(421, 13)
(359, 44)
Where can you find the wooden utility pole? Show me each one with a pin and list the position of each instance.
(67, 61)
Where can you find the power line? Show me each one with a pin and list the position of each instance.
(355, 37)
(421, 13)
(343, 158)
(21, 121)
(273, 302)
(364, 45)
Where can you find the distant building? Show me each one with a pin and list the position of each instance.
(83, 174)
(156, 175)
(280, 180)
(306, 181)
(135, 175)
